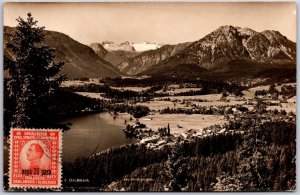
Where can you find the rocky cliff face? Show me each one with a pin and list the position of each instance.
(99, 49)
(279, 46)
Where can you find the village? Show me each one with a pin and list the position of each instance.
(257, 100)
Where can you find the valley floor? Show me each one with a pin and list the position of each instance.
(213, 133)
(171, 98)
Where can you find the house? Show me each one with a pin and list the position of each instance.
(183, 135)
(149, 140)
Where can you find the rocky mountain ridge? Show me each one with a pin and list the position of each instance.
(146, 59)
(229, 43)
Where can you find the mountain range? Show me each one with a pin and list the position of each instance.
(228, 51)
(128, 46)
(145, 60)
(225, 46)
(119, 53)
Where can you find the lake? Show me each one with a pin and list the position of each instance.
(92, 133)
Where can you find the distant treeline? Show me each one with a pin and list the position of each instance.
(137, 111)
(276, 75)
(287, 91)
(67, 103)
(213, 110)
(208, 87)
(109, 92)
(205, 87)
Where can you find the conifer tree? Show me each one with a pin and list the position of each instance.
(33, 76)
(169, 129)
(178, 169)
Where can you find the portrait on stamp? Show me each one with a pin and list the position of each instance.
(35, 159)
(34, 155)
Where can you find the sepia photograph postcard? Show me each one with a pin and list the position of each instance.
(149, 96)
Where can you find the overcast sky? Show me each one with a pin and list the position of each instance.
(154, 22)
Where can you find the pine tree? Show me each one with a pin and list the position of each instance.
(33, 76)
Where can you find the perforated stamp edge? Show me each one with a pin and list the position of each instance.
(14, 187)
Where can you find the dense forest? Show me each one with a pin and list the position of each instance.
(276, 75)
(255, 156)
(211, 110)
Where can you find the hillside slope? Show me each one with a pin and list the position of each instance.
(80, 60)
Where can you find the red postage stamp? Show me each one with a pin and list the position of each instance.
(35, 160)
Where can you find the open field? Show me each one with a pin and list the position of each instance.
(79, 83)
(219, 103)
(210, 97)
(92, 95)
(179, 90)
(288, 107)
(250, 93)
(137, 89)
(159, 105)
(178, 122)
(195, 121)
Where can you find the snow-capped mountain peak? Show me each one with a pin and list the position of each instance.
(145, 46)
(111, 46)
(127, 46)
